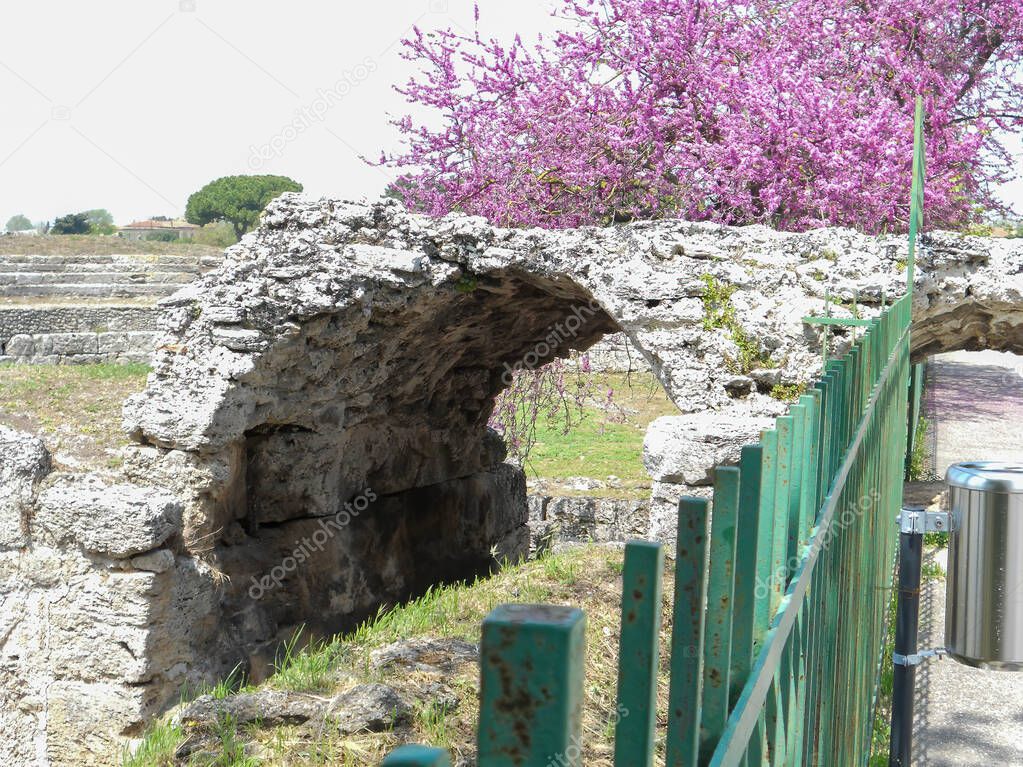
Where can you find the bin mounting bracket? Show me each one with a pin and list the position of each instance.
(921, 521)
(915, 659)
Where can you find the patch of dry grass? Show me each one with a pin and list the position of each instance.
(98, 245)
(588, 577)
(74, 409)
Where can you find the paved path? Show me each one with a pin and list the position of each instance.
(967, 716)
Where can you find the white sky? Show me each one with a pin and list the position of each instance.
(132, 106)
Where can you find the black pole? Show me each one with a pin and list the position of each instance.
(907, 619)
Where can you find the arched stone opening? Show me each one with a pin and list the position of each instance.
(968, 295)
(367, 472)
(350, 464)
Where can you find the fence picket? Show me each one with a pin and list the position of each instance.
(685, 685)
(747, 585)
(638, 650)
(417, 756)
(532, 717)
(718, 645)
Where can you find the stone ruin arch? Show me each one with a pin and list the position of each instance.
(313, 439)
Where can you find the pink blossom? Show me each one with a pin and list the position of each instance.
(792, 113)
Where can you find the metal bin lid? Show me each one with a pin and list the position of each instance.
(991, 476)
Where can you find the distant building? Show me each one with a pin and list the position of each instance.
(24, 233)
(161, 228)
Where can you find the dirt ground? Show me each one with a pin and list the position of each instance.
(75, 409)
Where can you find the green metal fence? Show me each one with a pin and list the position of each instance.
(779, 603)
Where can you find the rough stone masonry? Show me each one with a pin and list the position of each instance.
(313, 439)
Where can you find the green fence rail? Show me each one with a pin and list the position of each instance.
(779, 603)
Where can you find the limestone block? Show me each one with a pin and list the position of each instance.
(87, 723)
(66, 343)
(664, 498)
(111, 343)
(20, 345)
(685, 449)
(116, 520)
(24, 461)
(578, 519)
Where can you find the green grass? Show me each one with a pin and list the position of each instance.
(560, 569)
(881, 736)
(312, 669)
(919, 458)
(229, 750)
(598, 447)
(931, 571)
(433, 722)
(157, 748)
(588, 577)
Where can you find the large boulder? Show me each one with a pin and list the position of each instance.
(685, 449)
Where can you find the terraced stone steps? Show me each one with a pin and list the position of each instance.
(99, 290)
(95, 278)
(68, 262)
(87, 308)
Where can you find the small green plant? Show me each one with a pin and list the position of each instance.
(881, 736)
(157, 747)
(466, 284)
(231, 746)
(937, 540)
(311, 669)
(560, 569)
(918, 459)
(719, 313)
(788, 392)
(931, 571)
(432, 719)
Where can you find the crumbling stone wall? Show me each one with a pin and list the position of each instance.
(77, 334)
(313, 440)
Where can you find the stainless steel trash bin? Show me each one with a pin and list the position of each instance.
(984, 599)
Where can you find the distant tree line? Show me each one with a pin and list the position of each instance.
(234, 202)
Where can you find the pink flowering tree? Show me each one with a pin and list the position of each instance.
(791, 113)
